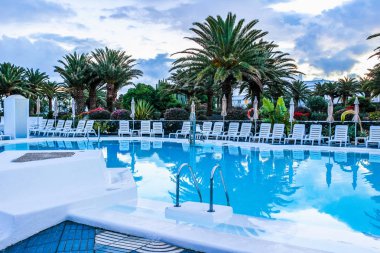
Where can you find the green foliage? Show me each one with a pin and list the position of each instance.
(144, 110)
(317, 104)
(176, 114)
(11, 79)
(236, 113)
(374, 115)
(365, 104)
(318, 115)
(140, 92)
(274, 114)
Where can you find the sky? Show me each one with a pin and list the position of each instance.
(327, 38)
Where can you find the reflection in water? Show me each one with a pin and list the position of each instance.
(261, 183)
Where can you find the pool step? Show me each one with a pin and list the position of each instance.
(197, 213)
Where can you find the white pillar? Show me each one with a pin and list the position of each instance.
(16, 114)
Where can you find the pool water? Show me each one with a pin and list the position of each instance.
(262, 183)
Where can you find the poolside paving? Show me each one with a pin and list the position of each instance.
(74, 237)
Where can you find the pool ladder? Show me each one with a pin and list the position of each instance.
(214, 169)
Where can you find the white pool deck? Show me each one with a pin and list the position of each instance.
(39, 194)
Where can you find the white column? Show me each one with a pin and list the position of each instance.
(16, 114)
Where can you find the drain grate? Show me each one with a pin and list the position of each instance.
(73, 237)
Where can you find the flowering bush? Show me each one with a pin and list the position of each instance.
(121, 114)
(301, 113)
(176, 114)
(98, 113)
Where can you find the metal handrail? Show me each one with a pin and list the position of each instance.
(177, 183)
(211, 209)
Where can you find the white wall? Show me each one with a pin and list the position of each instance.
(16, 114)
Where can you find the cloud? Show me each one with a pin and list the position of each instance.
(38, 54)
(335, 40)
(36, 10)
(311, 7)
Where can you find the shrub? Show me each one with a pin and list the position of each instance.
(121, 114)
(365, 105)
(318, 116)
(236, 113)
(374, 115)
(144, 110)
(176, 114)
(317, 104)
(98, 113)
(301, 113)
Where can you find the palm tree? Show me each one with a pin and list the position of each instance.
(299, 91)
(34, 80)
(377, 50)
(75, 72)
(11, 80)
(115, 69)
(347, 87)
(365, 86)
(231, 52)
(93, 86)
(331, 89)
(319, 90)
(50, 90)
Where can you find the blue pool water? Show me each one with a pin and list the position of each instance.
(261, 183)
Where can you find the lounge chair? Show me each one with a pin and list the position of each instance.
(157, 129)
(124, 128)
(297, 135)
(315, 135)
(89, 129)
(232, 133)
(278, 133)
(185, 130)
(263, 133)
(78, 130)
(145, 128)
(66, 128)
(40, 126)
(206, 128)
(217, 131)
(49, 126)
(124, 145)
(340, 135)
(145, 145)
(245, 131)
(58, 127)
(374, 136)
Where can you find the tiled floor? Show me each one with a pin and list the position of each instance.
(73, 237)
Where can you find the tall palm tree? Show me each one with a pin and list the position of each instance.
(347, 87)
(319, 90)
(115, 69)
(365, 86)
(331, 89)
(34, 81)
(230, 51)
(11, 80)
(51, 90)
(75, 72)
(377, 50)
(93, 86)
(299, 91)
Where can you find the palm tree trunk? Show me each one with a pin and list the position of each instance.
(256, 92)
(92, 97)
(210, 96)
(344, 99)
(227, 90)
(50, 104)
(78, 95)
(110, 94)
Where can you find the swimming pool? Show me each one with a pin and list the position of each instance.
(270, 184)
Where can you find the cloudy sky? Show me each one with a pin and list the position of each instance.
(326, 37)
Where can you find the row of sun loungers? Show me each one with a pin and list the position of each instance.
(63, 128)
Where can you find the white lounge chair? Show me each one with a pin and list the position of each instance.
(157, 129)
(124, 145)
(297, 135)
(245, 131)
(263, 134)
(49, 126)
(145, 145)
(278, 133)
(206, 128)
(217, 130)
(185, 130)
(58, 127)
(145, 128)
(66, 128)
(89, 129)
(40, 126)
(340, 135)
(232, 133)
(78, 130)
(315, 135)
(124, 128)
(374, 136)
